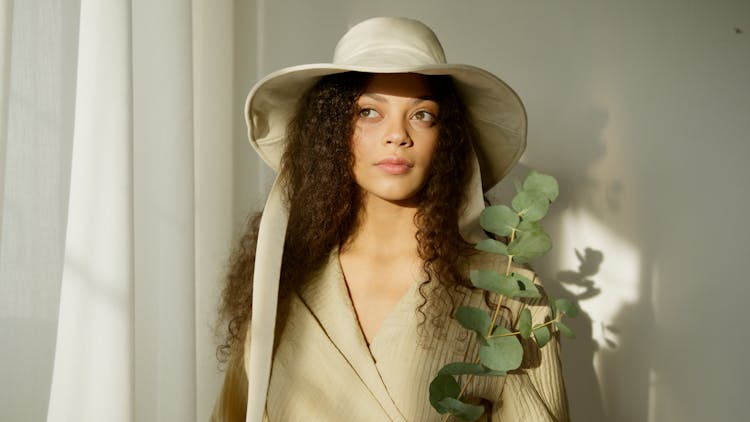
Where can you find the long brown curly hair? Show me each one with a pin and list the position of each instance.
(324, 200)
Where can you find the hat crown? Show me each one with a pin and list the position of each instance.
(389, 42)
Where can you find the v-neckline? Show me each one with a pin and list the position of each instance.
(395, 309)
(328, 299)
(393, 315)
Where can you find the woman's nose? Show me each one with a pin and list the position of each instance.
(398, 134)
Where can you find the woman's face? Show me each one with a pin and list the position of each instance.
(395, 135)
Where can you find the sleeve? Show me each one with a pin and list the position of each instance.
(231, 404)
(536, 391)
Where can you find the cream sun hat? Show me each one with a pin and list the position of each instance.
(377, 45)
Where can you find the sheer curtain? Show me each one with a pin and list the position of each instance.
(37, 83)
(117, 126)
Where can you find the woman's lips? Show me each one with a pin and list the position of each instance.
(394, 165)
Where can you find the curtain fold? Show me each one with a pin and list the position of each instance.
(215, 112)
(163, 198)
(94, 354)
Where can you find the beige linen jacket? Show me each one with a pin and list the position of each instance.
(323, 369)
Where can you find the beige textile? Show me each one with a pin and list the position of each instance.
(323, 369)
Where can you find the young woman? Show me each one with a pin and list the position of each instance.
(365, 242)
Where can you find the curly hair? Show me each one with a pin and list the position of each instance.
(320, 191)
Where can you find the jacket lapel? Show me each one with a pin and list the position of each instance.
(328, 299)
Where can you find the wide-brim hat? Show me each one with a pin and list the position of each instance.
(377, 45)
(394, 45)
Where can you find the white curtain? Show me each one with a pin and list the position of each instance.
(117, 126)
(37, 99)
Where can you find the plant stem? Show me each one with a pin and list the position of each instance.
(510, 257)
(500, 300)
(550, 322)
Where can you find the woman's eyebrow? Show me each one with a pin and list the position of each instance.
(375, 97)
(382, 99)
(426, 97)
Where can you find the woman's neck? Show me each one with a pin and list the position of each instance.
(385, 228)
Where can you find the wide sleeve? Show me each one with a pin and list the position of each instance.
(231, 404)
(536, 391)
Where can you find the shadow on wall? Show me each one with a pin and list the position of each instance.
(610, 361)
(582, 385)
(626, 368)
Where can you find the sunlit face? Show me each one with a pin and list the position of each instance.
(395, 136)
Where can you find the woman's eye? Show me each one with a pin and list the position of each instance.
(368, 113)
(424, 116)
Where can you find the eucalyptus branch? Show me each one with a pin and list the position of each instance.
(500, 349)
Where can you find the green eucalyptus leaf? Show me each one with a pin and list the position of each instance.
(543, 183)
(511, 285)
(501, 353)
(526, 287)
(524, 323)
(531, 205)
(462, 368)
(494, 282)
(443, 386)
(484, 279)
(499, 219)
(492, 373)
(566, 307)
(518, 186)
(493, 246)
(567, 332)
(465, 368)
(461, 410)
(474, 319)
(529, 226)
(541, 335)
(481, 340)
(528, 246)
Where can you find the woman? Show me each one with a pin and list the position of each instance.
(366, 237)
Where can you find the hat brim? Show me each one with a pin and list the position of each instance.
(494, 108)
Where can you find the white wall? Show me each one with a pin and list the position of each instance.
(642, 111)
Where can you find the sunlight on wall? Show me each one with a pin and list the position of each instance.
(605, 285)
(618, 273)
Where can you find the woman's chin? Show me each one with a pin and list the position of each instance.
(405, 198)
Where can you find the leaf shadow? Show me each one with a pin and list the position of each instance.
(580, 376)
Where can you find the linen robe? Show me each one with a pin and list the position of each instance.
(323, 369)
